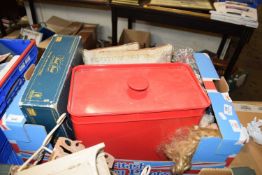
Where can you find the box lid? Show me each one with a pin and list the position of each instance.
(125, 89)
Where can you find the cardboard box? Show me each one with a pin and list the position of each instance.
(43, 45)
(66, 27)
(130, 36)
(57, 24)
(215, 149)
(89, 36)
(216, 171)
(25, 138)
(45, 97)
(250, 155)
(14, 35)
(212, 152)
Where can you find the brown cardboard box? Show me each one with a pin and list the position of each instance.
(89, 37)
(44, 43)
(71, 29)
(14, 35)
(57, 24)
(251, 153)
(130, 36)
(65, 27)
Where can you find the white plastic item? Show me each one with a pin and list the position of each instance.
(32, 35)
(254, 130)
(89, 161)
(244, 137)
(146, 170)
(206, 120)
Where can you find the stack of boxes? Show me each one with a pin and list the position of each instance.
(42, 102)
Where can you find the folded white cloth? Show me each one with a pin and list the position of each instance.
(161, 54)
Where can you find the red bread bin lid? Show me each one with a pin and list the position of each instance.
(138, 88)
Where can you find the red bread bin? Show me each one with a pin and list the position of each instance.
(133, 109)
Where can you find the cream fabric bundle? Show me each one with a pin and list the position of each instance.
(89, 54)
(161, 54)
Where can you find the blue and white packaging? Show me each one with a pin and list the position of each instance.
(25, 138)
(212, 152)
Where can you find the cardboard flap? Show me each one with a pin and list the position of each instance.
(228, 147)
(225, 114)
(72, 29)
(57, 24)
(129, 36)
(29, 72)
(206, 67)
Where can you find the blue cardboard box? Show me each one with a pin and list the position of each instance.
(25, 138)
(212, 152)
(225, 148)
(45, 97)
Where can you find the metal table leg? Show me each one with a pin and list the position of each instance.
(32, 9)
(130, 23)
(241, 43)
(114, 26)
(2, 28)
(221, 45)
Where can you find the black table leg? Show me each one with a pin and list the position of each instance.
(32, 9)
(250, 34)
(241, 43)
(2, 28)
(221, 45)
(114, 26)
(130, 23)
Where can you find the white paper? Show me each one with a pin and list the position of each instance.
(8, 66)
